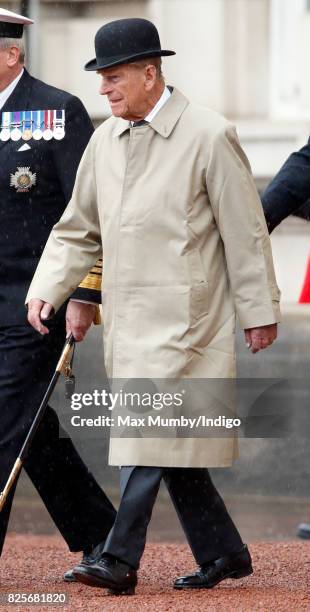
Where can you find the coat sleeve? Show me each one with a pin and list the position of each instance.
(289, 190)
(74, 245)
(79, 130)
(240, 219)
(304, 211)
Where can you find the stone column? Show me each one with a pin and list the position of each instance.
(246, 42)
(195, 30)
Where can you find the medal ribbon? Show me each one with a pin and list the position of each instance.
(5, 121)
(39, 119)
(59, 118)
(27, 120)
(16, 119)
(47, 119)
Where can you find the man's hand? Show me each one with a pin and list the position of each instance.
(38, 311)
(259, 338)
(79, 317)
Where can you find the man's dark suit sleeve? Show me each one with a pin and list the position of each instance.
(289, 191)
(79, 130)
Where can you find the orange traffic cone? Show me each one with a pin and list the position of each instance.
(305, 292)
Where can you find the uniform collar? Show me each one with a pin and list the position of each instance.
(6, 93)
(19, 99)
(166, 118)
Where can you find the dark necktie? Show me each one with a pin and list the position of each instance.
(138, 123)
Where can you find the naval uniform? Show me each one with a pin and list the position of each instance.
(36, 179)
(289, 191)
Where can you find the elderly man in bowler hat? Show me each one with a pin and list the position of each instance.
(165, 191)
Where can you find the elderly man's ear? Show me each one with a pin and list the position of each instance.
(13, 54)
(150, 77)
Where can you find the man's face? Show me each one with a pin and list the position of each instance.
(127, 88)
(4, 70)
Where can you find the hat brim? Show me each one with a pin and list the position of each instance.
(100, 63)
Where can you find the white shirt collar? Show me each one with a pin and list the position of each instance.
(162, 100)
(5, 94)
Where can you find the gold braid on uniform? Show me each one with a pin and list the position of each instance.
(93, 278)
(93, 281)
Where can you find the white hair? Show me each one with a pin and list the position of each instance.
(5, 43)
(155, 61)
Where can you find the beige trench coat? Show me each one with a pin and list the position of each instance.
(173, 208)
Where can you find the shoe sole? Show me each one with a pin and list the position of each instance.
(235, 575)
(305, 535)
(72, 579)
(95, 581)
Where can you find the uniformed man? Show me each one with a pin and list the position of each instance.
(44, 132)
(289, 194)
(289, 191)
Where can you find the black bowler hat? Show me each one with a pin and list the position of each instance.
(124, 41)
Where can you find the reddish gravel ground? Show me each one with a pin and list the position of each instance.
(281, 579)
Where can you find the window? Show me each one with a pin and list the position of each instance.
(290, 50)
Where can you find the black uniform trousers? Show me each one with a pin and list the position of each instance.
(76, 503)
(208, 527)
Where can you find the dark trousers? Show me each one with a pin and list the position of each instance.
(81, 510)
(208, 527)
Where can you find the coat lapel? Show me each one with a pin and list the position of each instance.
(166, 118)
(19, 98)
(169, 115)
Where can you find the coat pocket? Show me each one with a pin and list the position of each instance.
(199, 290)
(199, 300)
(275, 293)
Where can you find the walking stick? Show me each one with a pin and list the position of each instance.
(63, 366)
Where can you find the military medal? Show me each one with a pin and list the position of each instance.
(59, 124)
(48, 132)
(5, 133)
(38, 124)
(27, 125)
(23, 180)
(16, 132)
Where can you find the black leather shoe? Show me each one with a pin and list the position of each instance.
(108, 573)
(236, 565)
(89, 557)
(304, 531)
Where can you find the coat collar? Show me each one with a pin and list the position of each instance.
(166, 118)
(19, 98)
